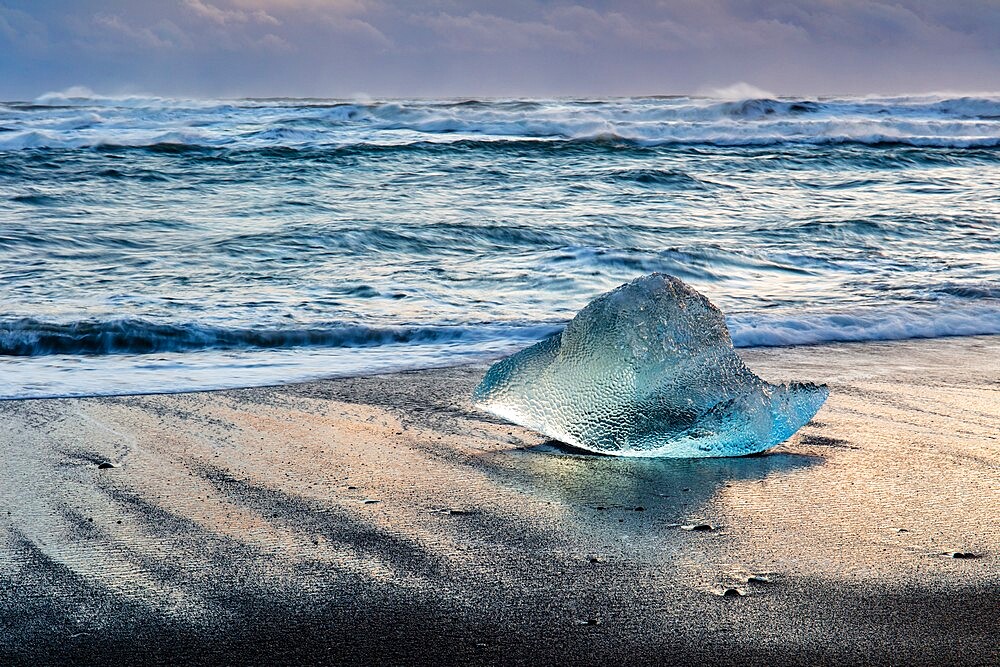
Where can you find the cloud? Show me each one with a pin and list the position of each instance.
(163, 36)
(287, 20)
(668, 27)
(589, 26)
(490, 33)
(542, 47)
(853, 23)
(339, 6)
(353, 27)
(227, 16)
(20, 29)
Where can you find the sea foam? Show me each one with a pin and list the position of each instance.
(154, 244)
(864, 324)
(54, 121)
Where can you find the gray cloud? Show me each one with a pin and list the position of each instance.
(21, 31)
(222, 16)
(520, 47)
(111, 31)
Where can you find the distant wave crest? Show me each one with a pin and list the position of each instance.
(80, 119)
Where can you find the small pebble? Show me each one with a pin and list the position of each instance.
(701, 527)
(728, 592)
(106, 465)
(960, 554)
(370, 501)
(640, 508)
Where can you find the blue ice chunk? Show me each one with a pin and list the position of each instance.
(647, 369)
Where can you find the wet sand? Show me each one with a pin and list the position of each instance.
(383, 520)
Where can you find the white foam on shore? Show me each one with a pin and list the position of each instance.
(867, 324)
(60, 375)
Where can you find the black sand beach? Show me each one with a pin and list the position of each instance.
(382, 520)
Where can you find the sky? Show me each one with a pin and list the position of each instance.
(521, 48)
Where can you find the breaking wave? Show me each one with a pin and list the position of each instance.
(868, 324)
(79, 119)
(155, 244)
(28, 337)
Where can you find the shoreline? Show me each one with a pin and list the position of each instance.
(381, 518)
(750, 351)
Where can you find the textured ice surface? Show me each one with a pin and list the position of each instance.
(647, 369)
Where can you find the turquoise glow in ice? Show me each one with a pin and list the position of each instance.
(647, 369)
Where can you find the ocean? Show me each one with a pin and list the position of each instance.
(162, 245)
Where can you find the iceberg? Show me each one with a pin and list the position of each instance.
(647, 369)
